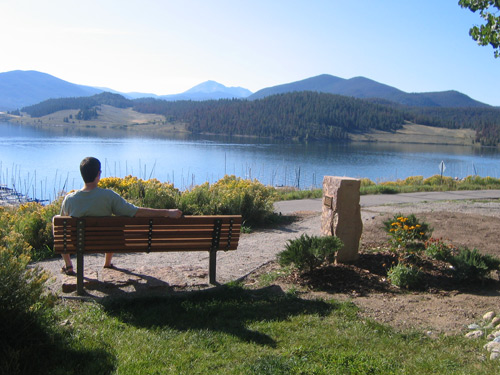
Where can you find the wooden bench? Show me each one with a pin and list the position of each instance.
(117, 234)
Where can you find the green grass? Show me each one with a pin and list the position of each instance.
(232, 330)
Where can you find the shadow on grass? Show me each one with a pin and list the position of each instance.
(31, 346)
(227, 309)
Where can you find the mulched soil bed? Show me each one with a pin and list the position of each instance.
(369, 275)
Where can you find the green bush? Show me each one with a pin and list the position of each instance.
(437, 180)
(309, 252)
(414, 180)
(403, 276)
(481, 181)
(439, 250)
(388, 190)
(367, 182)
(231, 196)
(25, 311)
(197, 201)
(28, 229)
(470, 265)
(144, 193)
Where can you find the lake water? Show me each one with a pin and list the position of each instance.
(41, 163)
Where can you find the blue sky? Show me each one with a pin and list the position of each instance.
(167, 47)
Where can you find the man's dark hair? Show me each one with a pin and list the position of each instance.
(90, 168)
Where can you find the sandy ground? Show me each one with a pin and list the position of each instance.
(471, 223)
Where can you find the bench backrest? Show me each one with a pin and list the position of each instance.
(132, 234)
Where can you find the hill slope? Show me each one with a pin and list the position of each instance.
(22, 88)
(361, 87)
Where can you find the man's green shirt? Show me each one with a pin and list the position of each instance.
(97, 202)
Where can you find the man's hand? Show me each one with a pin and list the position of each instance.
(174, 214)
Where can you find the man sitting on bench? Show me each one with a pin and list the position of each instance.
(94, 201)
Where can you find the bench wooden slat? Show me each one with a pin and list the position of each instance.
(144, 248)
(155, 231)
(155, 235)
(156, 228)
(91, 241)
(108, 221)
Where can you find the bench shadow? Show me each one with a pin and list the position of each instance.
(227, 309)
(139, 281)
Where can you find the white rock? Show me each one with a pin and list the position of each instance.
(474, 334)
(473, 326)
(489, 315)
(490, 346)
(493, 334)
(495, 320)
(494, 356)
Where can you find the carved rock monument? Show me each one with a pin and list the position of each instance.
(341, 215)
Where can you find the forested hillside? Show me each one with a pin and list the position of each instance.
(485, 121)
(82, 103)
(299, 115)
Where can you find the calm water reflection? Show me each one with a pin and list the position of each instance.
(40, 163)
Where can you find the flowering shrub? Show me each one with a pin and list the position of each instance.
(144, 193)
(414, 180)
(440, 180)
(230, 195)
(367, 182)
(28, 229)
(407, 232)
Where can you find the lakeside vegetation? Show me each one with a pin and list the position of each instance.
(297, 115)
(225, 330)
(412, 184)
(28, 227)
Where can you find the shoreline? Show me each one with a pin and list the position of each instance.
(124, 121)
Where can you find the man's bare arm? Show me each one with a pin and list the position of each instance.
(156, 212)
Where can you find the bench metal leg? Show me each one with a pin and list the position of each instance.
(79, 273)
(80, 246)
(212, 267)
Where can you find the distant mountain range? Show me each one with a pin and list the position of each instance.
(19, 89)
(364, 88)
(23, 88)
